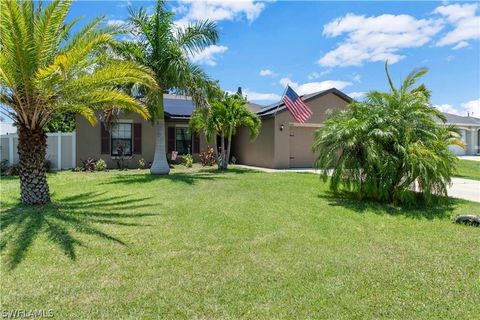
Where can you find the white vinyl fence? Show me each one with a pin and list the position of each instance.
(61, 147)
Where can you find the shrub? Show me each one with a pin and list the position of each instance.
(207, 158)
(388, 145)
(187, 160)
(100, 165)
(141, 164)
(77, 169)
(13, 170)
(3, 167)
(48, 165)
(89, 165)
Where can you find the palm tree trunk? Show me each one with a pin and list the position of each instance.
(32, 147)
(223, 167)
(228, 148)
(160, 164)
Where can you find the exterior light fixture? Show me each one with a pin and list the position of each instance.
(281, 127)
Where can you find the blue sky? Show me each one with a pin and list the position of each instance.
(317, 45)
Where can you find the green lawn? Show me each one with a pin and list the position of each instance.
(200, 244)
(468, 169)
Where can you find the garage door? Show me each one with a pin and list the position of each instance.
(301, 140)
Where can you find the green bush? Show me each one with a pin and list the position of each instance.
(48, 165)
(3, 167)
(388, 145)
(187, 160)
(141, 164)
(101, 165)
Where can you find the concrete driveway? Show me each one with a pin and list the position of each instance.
(471, 158)
(461, 188)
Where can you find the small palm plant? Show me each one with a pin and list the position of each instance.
(46, 71)
(165, 48)
(388, 145)
(223, 118)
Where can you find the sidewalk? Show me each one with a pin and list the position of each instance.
(460, 188)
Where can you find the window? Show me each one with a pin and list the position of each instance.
(183, 140)
(122, 139)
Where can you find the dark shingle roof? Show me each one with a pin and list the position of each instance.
(454, 119)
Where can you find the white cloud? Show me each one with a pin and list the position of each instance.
(311, 87)
(449, 58)
(466, 25)
(316, 75)
(357, 95)
(115, 22)
(207, 56)
(357, 78)
(218, 10)
(460, 45)
(125, 4)
(471, 107)
(267, 73)
(253, 95)
(448, 108)
(376, 38)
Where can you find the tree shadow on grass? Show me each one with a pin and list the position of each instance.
(441, 208)
(59, 221)
(187, 177)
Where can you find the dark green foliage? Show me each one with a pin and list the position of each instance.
(61, 122)
(388, 145)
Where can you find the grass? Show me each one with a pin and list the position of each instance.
(201, 244)
(468, 169)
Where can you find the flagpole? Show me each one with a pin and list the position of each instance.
(278, 106)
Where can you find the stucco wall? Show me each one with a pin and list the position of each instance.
(259, 152)
(321, 107)
(88, 141)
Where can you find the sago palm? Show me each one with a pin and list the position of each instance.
(45, 70)
(225, 115)
(388, 145)
(166, 48)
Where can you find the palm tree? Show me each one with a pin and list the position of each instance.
(223, 118)
(384, 146)
(165, 48)
(45, 71)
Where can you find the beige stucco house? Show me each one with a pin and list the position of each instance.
(282, 142)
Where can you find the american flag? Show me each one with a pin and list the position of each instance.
(299, 110)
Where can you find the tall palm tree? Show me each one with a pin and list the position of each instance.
(223, 118)
(46, 71)
(165, 48)
(384, 146)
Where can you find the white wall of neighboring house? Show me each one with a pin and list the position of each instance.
(61, 148)
(469, 136)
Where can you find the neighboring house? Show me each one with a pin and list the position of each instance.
(282, 142)
(469, 131)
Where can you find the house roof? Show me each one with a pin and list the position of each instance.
(455, 119)
(181, 107)
(271, 110)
